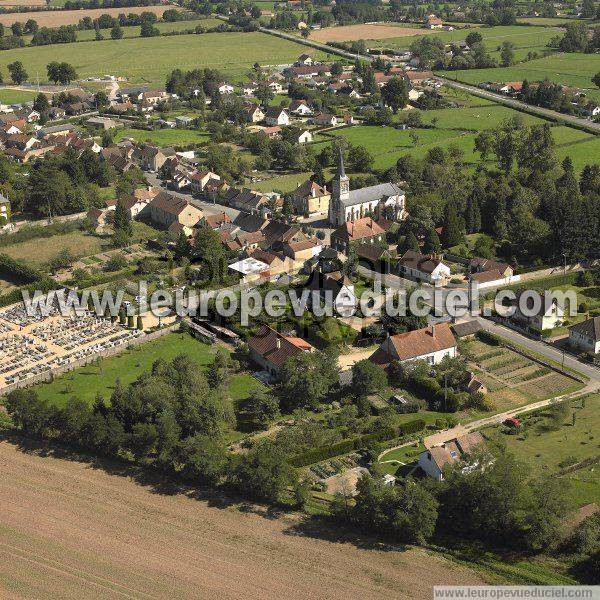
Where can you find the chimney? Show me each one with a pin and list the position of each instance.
(433, 330)
(278, 344)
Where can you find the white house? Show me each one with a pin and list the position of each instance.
(422, 267)
(543, 315)
(434, 459)
(225, 88)
(586, 335)
(277, 116)
(304, 59)
(304, 137)
(300, 108)
(431, 344)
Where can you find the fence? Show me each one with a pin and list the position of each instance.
(82, 362)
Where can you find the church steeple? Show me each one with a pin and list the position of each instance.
(341, 171)
(340, 193)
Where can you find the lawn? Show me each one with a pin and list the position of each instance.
(164, 137)
(8, 96)
(567, 69)
(87, 382)
(149, 60)
(546, 448)
(38, 251)
(283, 183)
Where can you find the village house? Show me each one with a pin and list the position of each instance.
(382, 200)
(585, 336)
(253, 113)
(423, 268)
(275, 86)
(138, 203)
(303, 250)
(324, 120)
(270, 349)
(276, 116)
(300, 108)
(433, 22)
(272, 132)
(151, 158)
(214, 221)
(4, 210)
(333, 290)
(540, 316)
(199, 180)
(100, 217)
(304, 59)
(435, 459)
(311, 199)
(431, 344)
(301, 136)
(225, 88)
(361, 231)
(166, 209)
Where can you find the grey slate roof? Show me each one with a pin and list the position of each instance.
(589, 328)
(372, 193)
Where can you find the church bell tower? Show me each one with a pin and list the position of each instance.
(341, 192)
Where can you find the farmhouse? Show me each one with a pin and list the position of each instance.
(421, 267)
(384, 199)
(433, 460)
(586, 335)
(310, 198)
(270, 349)
(432, 344)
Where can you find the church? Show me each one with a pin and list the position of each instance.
(383, 200)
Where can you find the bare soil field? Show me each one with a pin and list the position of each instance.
(71, 530)
(351, 33)
(56, 18)
(12, 3)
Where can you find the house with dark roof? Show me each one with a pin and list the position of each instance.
(540, 316)
(374, 257)
(423, 267)
(277, 116)
(434, 460)
(333, 290)
(586, 335)
(468, 329)
(271, 349)
(431, 344)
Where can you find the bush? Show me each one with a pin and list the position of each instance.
(488, 337)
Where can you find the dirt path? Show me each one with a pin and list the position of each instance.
(69, 530)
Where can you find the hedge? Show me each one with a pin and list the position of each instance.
(16, 271)
(345, 446)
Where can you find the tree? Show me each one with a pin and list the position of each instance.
(474, 37)
(204, 458)
(395, 93)
(62, 260)
(148, 30)
(262, 406)
(596, 79)
(263, 474)
(452, 233)
(18, 74)
(116, 33)
(61, 72)
(367, 378)
(41, 103)
(432, 242)
(411, 243)
(123, 227)
(264, 93)
(101, 100)
(210, 252)
(507, 54)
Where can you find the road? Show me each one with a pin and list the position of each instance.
(542, 112)
(208, 207)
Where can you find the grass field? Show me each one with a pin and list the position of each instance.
(149, 60)
(522, 36)
(164, 137)
(544, 448)
(8, 96)
(38, 251)
(132, 32)
(283, 183)
(88, 381)
(567, 69)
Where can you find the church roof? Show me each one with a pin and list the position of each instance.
(371, 193)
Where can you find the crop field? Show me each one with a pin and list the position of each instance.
(164, 137)
(71, 530)
(514, 380)
(38, 251)
(567, 69)
(350, 33)
(8, 96)
(548, 448)
(149, 60)
(56, 18)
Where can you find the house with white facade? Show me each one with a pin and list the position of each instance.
(436, 458)
(547, 313)
(585, 336)
(277, 116)
(431, 344)
(423, 268)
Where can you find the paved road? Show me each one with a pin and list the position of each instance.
(208, 207)
(542, 112)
